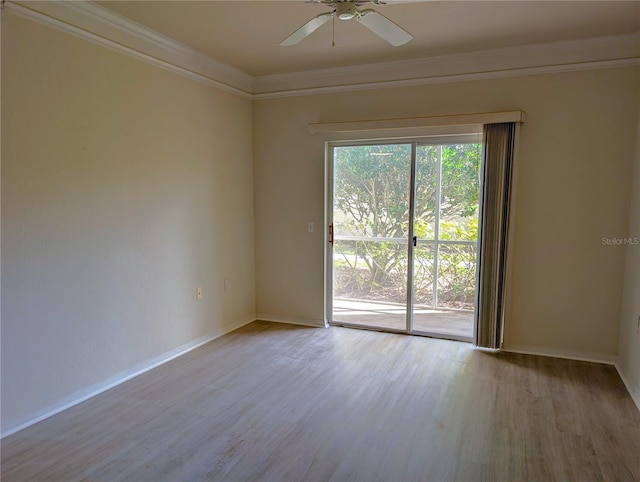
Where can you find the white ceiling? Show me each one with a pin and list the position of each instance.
(245, 34)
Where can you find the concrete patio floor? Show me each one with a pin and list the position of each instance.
(385, 315)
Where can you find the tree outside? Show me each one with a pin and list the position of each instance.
(371, 222)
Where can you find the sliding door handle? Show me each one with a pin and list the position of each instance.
(331, 234)
(415, 241)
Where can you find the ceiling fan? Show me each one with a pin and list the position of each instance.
(346, 10)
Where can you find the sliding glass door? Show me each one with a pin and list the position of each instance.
(403, 236)
(446, 230)
(370, 231)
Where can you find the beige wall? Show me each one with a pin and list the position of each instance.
(572, 189)
(629, 350)
(124, 187)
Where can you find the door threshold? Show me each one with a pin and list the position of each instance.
(439, 336)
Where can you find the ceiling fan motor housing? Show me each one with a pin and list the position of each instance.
(345, 10)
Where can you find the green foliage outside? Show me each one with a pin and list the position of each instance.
(371, 200)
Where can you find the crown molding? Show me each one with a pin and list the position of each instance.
(594, 53)
(97, 24)
(445, 79)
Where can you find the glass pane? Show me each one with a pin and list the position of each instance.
(441, 321)
(457, 276)
(426, 191)
(370, 283)
(371, 190)
(371, 223)
(423, 272)
(448, 173)
(453, 315)
(370, 270)
(460, 192)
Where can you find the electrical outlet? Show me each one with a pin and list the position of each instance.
(226, 285)
(310, 227)
(198, 293)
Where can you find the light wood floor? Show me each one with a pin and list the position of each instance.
(280, 402)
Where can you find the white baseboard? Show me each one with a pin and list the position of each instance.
(100, 387)
(291, 320)
(144, 367)
(635, 394)
(566, 354)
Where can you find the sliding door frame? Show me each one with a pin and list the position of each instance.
(414, 141)
(329, 235)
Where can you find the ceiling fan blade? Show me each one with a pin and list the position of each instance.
(307, 29)
(385, 28)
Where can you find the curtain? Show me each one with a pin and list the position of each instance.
(497, 165)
